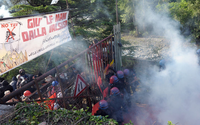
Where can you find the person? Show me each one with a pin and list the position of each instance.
(48, 78)
(162, 65)
(198, 54)
(131, 80)
(104, 109)
(95, 41)
(22, 78)
(113, 83)
(123, 88)
(110, 72)
(131, 84)
(7, 92)
(54, 88)
(1, 80)
(120, 76)
(118, 105)
(13, 83)
(126, 78)
(23, 74)
(5, 87)
(26, 94)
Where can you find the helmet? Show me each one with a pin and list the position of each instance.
(103, 104)
(114, 91)
(54, 83)
(120, 74)
(126, 72)
(113, 79)
(162, 63)
(22, 72)
(198, 52)
(27, 93)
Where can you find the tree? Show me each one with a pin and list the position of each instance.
(187, 12)
(127, 8)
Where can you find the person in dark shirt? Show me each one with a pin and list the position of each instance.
(104, 109)
(121, 83)
(116, 102)
(1, 80)
(162, 65)
(131, 80)
(123, 87)
(113, 83)
(5, 87)
(13, 83)
(110, 72)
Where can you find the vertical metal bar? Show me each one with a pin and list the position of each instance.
(96, 60)
(61, 86)
(101, 61)
(90, 61)
(38, 89)
(93, 59)
(107, 50)
(111, 48)
(99, 64)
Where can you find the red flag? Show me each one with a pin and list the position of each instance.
(95, 108)
(99, 83)
(105, 93)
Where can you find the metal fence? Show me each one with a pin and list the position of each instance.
(90, 64)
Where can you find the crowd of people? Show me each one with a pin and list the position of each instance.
(52, 90)
(117, 96)
(17, 82)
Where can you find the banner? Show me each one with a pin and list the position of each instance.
(54, 1)
(23, 39)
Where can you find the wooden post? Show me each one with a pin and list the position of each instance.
(117, 39)
(67, 4)
(120, 48)
(117, 13)
(61, 86)
(38, 89)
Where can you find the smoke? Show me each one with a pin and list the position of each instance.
(174, 92)
(4, 12)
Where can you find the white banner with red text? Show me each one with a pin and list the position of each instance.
(23, 39)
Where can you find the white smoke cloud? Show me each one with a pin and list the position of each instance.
(175, 91)
(4, 12)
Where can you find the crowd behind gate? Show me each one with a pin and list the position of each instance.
(117, 95)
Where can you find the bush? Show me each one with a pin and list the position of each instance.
(33, 113)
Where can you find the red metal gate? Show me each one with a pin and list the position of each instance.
(90, 64)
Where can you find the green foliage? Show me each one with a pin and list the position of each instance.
(22, 10)
(170, 123)
(187, 12)
(34, 114)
